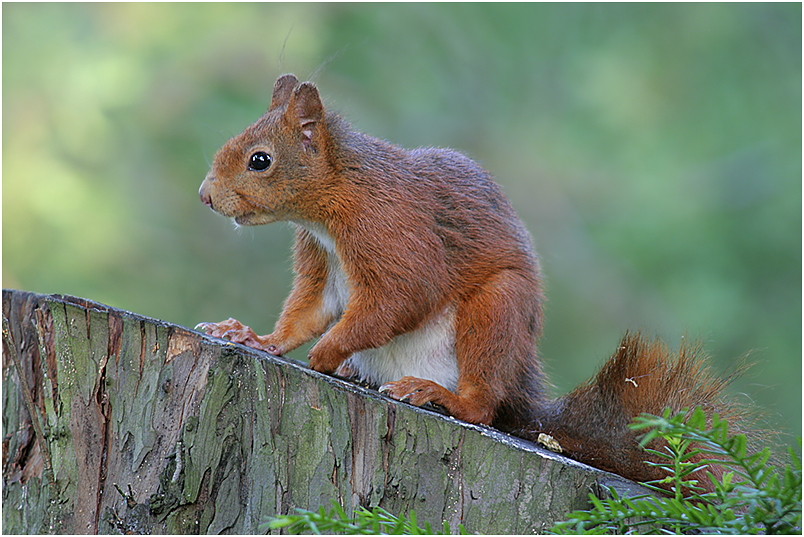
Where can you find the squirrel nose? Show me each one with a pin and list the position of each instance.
(203, 192)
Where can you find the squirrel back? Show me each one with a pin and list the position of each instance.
(419, 277)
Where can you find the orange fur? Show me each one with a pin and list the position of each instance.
(417, 274)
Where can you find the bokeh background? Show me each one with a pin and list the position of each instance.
(654, 151)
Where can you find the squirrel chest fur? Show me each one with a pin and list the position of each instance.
(415, 273)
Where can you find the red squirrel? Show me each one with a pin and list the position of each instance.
(419, 277)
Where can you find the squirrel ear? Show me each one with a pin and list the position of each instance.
(283, 88)
(305, 109)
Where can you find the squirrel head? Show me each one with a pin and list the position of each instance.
(269, 171)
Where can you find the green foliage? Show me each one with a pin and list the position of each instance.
(376, 521)
(750, 498)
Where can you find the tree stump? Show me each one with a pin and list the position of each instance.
(117, 423)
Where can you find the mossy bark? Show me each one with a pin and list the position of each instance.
(116, 423)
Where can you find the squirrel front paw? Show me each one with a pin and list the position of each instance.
(237, 332)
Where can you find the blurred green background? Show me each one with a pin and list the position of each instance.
(654, 151)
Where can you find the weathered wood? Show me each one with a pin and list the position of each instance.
(135, 425)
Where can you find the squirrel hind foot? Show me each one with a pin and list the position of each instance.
(421, 392)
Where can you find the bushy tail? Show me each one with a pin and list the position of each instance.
(591, 423)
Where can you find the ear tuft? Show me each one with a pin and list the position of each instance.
(283, 88)
(305, 109)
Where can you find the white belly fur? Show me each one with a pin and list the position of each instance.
(427, 352)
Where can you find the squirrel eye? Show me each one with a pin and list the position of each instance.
(259, 161)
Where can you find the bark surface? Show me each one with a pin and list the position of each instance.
(117, 423)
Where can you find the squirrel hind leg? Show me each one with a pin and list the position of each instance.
(495, 329)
